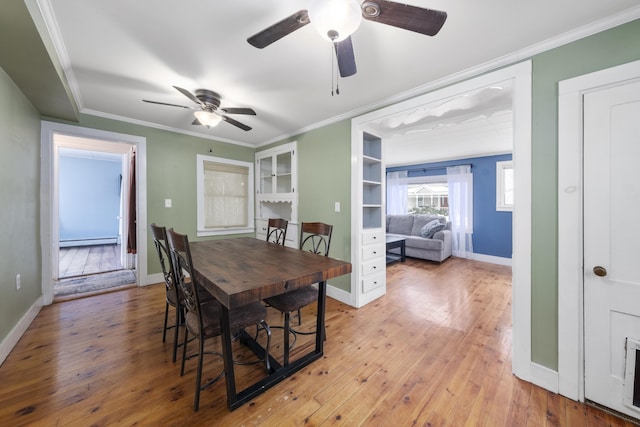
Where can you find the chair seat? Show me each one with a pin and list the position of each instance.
(240, 318)
(293, 300)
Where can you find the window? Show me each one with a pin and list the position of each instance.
(428, 194)
(225, 196)
(504, 186)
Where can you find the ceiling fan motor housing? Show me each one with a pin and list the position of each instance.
(208, 98)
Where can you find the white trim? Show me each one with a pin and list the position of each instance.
(338, 294)
(154, 279)
(10, 341)
(47, 188)
(520, 75)
(570, 223)
(501, 167)
(491, 259)
(544, 377)
(201, 230)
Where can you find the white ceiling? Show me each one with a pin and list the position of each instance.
(116, 53)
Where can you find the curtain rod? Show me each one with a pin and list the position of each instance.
(429, 168)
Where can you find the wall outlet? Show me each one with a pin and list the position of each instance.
(18, 284)
(337, 207)
(167, 203)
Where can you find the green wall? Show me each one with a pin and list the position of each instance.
(19, 204)
(604, 50)
(324, 177)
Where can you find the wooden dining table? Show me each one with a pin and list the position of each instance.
(240, 271)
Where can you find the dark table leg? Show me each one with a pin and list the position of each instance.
(322, 304)
(278, 372)
(403, 252)
(227, 355)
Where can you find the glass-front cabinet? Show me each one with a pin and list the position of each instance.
(276, 173)
(276, 192)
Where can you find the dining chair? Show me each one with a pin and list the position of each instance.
(202, 319)
(173, 296)
(314, 237)
(277, 230)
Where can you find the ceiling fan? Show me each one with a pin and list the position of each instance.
(208, 111)
(336, 20)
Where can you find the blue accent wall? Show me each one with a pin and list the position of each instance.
(492, 234)
(89, 198)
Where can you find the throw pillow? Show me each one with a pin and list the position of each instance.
(437, 228)
(427, 230)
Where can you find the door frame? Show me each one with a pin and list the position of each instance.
(48, 197)
(520, 76)
(570, 221)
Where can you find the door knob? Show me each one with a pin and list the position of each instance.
(599, 271)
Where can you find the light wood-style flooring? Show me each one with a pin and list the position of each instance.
(436, 350)
(84, 260)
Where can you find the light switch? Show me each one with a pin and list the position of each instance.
(337, 207)
(167, 203)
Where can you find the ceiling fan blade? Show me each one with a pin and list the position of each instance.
(164, 103)
(189, 95)
(346, 57)
(280, 29)
(247, 111)
(412, 18)
(236, 123)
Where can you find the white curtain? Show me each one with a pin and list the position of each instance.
(460, 180)
(397, 193)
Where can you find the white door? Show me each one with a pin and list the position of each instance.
(612, 245)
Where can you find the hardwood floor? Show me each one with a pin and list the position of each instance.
(83, 260)
(434, 351)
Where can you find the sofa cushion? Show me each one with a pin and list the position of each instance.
(400, 224)
(420, 220)
(428, 244)
(431, 228)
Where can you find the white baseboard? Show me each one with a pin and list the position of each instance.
(338, 294)
(153, 279)
(88, 242)
(491, 259)
(545, 377)
(19, 329)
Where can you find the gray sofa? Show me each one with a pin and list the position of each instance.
(413, 227)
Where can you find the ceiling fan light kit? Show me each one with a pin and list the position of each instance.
(335, 20)
(207, 118)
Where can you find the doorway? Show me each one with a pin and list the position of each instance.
(93, 188)
(519, 76)
(132, 152)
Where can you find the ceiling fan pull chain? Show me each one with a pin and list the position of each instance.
(332, 68)
(334, 72)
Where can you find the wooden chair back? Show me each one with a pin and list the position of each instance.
(315, 237)
(179, 247)
(277, 230)
(164, 256)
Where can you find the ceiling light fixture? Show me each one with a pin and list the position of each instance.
(335, 20)
(207, 118)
